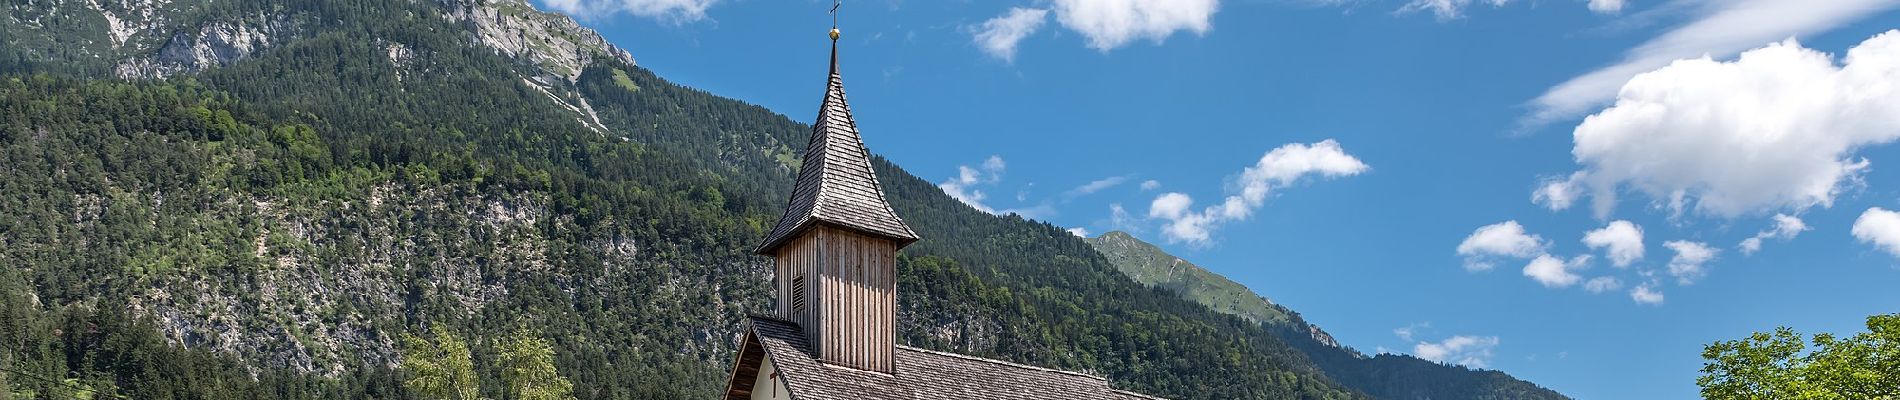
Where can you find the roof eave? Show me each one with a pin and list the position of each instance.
(770, 247)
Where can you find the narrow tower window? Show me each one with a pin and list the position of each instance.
(798, 294)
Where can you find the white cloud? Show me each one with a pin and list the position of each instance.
(1170, 206)
(1279, 168)
(963, 187)
(1602, 284)
(1447, 9)
(1690, 260)
(1119, 219)
(1558, 194)
(1097, 186)
(1880, 228)
(1719, 28)
(994, 166)
(1150, 184)
(676, 11)
(1622, 242)
(1643, 294)
(1405, 332)
(1554, 272)
(1503, 239)
(1775, 129)
(998, 36)
(1112, 23)
(1786, 227)
(1470, 351)
(1079, 232)
(1606, 6)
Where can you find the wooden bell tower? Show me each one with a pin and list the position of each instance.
(836, 246)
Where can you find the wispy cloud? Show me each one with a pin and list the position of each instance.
(1447, 9)
(674, 11)
(1279, 168)
(999, 36)
(1096, 186)
(964, 186)
(1786, 227)
(1690, 261)
(1470, 351)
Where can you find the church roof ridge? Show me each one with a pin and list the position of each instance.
(1001, 362)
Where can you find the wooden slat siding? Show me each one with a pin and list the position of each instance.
(850, 292)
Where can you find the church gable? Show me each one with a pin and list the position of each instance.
(920, 374)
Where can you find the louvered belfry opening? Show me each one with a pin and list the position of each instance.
(835, 249)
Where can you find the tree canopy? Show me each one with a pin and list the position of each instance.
(1781, 365)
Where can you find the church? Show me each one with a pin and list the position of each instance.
(833, 333)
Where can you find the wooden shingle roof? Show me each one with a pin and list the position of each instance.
(920, 374)
(836, 185)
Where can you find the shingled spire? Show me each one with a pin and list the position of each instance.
(836, 185)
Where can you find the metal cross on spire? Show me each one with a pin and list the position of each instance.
(834, 12)
(834, 21)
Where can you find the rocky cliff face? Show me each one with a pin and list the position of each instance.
(554, 42)
(162, 38)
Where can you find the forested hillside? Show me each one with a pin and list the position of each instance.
(261, 198)
(1388, 376)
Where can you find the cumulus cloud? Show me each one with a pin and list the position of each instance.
(1621, 241)
(1786, 227)
(1470, 351)
(1717, 28)
(1500, 240)
(1602, 284)
(998, 36)
(1557, 194)
(1079, 232)
(1774, 129)
(1447, 9)
(1150, 184)
(1112, 23)
(1554, 272)
(677, 11)
(1880, 228)
(1690, 261)
(964, 186)
(1645, 294)
(1279, 168)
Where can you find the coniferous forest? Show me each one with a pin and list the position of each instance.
(374, 205)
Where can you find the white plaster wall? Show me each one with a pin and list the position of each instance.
(767, 388)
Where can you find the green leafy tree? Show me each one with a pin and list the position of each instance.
(1779, 365)
(439, 368)
(527, 366)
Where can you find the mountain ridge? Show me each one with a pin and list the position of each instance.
(1381, 375)
(259, 220)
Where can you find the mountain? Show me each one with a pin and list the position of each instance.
(1149, 265)
(1385, 376)
(268, 198)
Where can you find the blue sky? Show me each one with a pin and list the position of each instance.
(1415, 177)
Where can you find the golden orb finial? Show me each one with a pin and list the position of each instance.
(834, 34)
